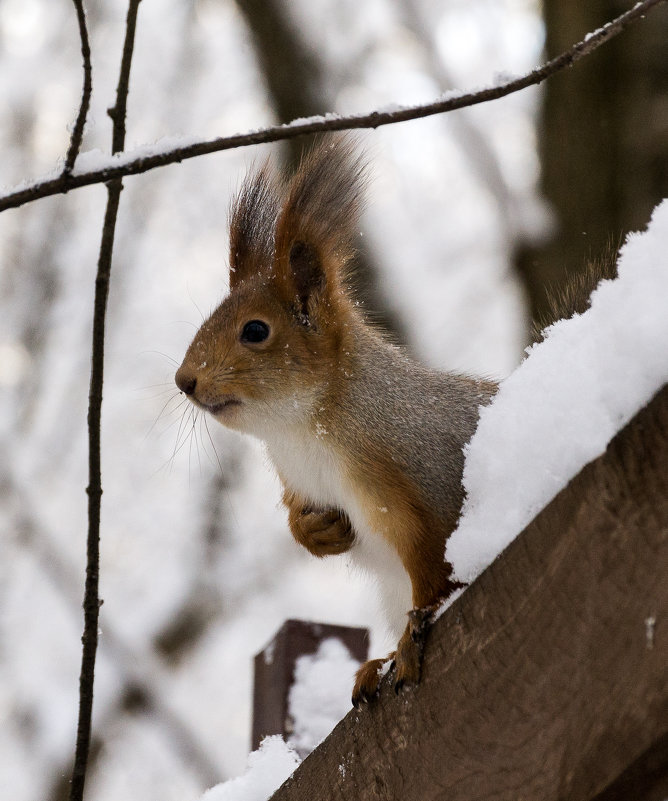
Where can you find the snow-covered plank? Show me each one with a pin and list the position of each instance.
(547, 679)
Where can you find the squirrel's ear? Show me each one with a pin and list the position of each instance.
(252, 223)
(316, 227)
(307, 273)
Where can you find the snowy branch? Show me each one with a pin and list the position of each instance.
(78, 130)
(127, 164)
(91, 596)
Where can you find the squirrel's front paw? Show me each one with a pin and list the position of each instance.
(323, 533)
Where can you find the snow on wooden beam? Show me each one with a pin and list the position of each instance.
(548, 678)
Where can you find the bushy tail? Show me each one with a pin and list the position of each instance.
(573, 297)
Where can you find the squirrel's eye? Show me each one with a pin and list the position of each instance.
(255, 331)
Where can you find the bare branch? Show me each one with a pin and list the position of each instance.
(329, 122)
(78, 130)
(94, 489)
(141, 675)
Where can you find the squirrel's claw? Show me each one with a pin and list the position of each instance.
(367, 681)
(419, 621)
(411, 647)
(406, 660)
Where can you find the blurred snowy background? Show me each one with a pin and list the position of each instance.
(198, 567)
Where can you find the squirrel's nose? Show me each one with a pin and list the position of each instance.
(185, 380)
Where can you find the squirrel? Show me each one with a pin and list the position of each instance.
(367, 442)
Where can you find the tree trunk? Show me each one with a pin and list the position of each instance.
(603, 139)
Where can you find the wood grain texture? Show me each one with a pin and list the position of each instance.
(548, 679)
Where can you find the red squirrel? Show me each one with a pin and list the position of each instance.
(367, 442)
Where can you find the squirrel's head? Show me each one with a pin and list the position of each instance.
(271, 349)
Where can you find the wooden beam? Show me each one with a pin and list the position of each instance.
(548, 679)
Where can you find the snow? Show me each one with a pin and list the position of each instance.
(97, 160)
(561, 407)
(319, 698)
(650, 625)
(267, 769)
(320, 695)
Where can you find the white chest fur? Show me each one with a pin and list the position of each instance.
(310, 467)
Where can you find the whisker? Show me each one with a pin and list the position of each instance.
(166, 390)
(194, 303)
(175, 396)
(160, 353)
(182, 433)
(206, 426)
(178, 443)
(193, 436)
(167, 385)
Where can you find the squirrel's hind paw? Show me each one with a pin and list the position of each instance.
(368, 679)
(411, 646)
(406, 660)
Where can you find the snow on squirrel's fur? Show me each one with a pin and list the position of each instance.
(561, 407)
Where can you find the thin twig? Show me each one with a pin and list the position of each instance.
(78, 130)
(94, 489)
(139, 674)
(330, 122)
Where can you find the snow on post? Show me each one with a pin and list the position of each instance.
(298, 655)
(304, 677)
(320, 695)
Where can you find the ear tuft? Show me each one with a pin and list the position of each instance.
(252, 224)
(317, 226)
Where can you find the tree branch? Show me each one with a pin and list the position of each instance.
(141, 675)
(78, 130)
(130, 165)
(94, 489)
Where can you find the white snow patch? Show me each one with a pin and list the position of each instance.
(320, 695)
(268, 768)
(561, 407)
